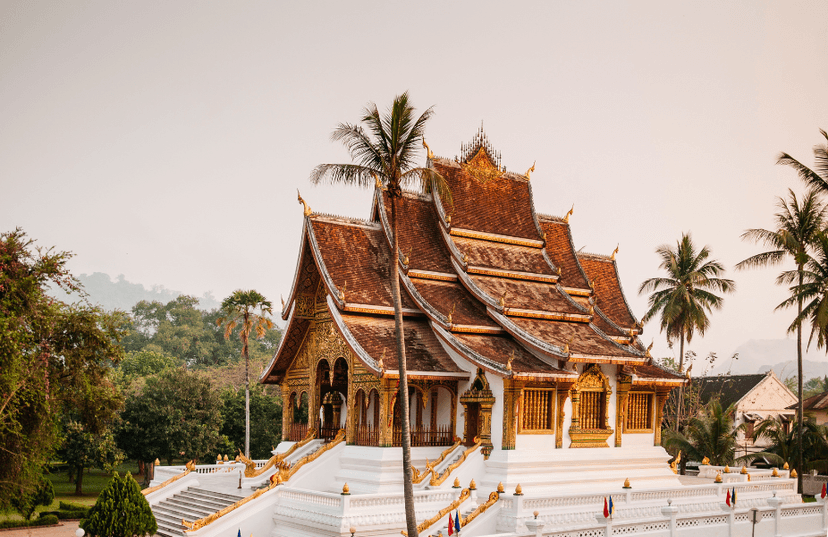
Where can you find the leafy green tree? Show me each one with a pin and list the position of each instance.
(176, 413)
(239, 309)
(265, 420)
(145, 363)
(815, 386)
(121, 511)
(53, 356)
(710, 434)
(797, 226)
(685, 296)
(784, 444)
(385, 148)
(82, 449)
(25, 501)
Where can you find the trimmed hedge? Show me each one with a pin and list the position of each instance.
(42, 520)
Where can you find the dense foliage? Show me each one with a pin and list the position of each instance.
(121, 511)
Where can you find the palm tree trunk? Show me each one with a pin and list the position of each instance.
(246, 395)
(680, 399)
(800, 409)
(408, 487)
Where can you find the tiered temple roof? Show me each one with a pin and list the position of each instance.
(485, 276)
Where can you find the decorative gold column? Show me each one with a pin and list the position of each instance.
(661, 398)
(351, 416)
(621, 402)
(511, 403)
(563, 395)
(287, 410)
(386, 425)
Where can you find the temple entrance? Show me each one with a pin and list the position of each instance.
(472, 429)
(332, 387)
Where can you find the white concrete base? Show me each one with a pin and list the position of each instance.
(369, 470)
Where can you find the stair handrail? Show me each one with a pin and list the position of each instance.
(438, 480)
(278, 478)
(250, 466)
(465, 494)
(189, 467)
(493, 497)
(420, 477)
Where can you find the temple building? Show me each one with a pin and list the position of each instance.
(532, 398)
(511, 336)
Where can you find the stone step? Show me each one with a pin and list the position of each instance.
(227, 498)
(189, 508)
(162, 513)
(206, 502)
(168, 530)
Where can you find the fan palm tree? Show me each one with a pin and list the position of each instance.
(384, 149)
(239, 309)
(710, 434)
(685, 296)
(798, 225)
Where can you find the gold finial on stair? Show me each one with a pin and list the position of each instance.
(743, 471)
(566, 347)
(794, 475)
(157, 462)
(302, 201)
(380, 361)
(500, 489)
(726, 469)
(225, 458)
(775, 473)
(346, 490)
(448, 219)
(785, 466)
(627, 483)
(572, 210)
(465, 259)
(456, 484)
(530, 170)
(472, 485)
(518, 490)
(705, 461)
(718, 477)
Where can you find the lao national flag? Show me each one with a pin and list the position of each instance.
(734, 496)
(451, 526)
(606, 509)
(611, 506)
(727, 498)
(824, 490)
(457, 521)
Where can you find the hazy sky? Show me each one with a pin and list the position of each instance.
(165, 140)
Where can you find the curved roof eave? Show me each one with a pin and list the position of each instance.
(292, 296)
(333, 290)
(349, 338)
(526, 339)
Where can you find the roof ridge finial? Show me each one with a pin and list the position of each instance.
(568, 214)
(615, 251)
(530, 170)
(302, 201)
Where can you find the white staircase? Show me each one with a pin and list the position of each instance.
(190, 505)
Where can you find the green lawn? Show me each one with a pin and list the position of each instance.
(93, 483)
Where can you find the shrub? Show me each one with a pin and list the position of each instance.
(121, 511)
(42, 520)
(27, 501)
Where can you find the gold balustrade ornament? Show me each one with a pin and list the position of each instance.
(278, 478)
(493, 497)
(438, 480)
(429, 469)
(465, 494)
(189, 467)
(251, 471)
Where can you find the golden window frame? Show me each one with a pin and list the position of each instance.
(631, 411)
(551, 401)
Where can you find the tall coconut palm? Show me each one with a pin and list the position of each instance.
(239, 309)
(798, 225)
(686, 295)
(816, 178)
(384, 149)
(710, 434)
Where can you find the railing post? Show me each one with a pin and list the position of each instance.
(776, 503)
(671, 512)
(606, 522)
(821, 501)
(535, 525)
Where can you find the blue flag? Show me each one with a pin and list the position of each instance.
(457, 521)
(239, 532)
(610, 505)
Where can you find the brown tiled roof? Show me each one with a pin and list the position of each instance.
(584, 339)
(501, 205)
(444, 295)
(357, 257)
(503, 256)
(608, 293)
(499, 348)
(306, 277)
(815, 402)
(654, 372)
(605, 327)
(422, 350)
(419, 235)
(525, 294)
(560, 250)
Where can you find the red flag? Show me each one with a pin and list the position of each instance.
(824, 490)
(727, 499)
(606, 509)
(451, 525)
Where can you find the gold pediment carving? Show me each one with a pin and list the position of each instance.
(593, 379)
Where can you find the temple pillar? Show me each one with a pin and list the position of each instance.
(511, 403)
(621, 398)
(287, 410)
(563, 395)
(661, 398)
(387, 391)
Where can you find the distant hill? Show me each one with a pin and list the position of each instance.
(762, 355)
(120, 294)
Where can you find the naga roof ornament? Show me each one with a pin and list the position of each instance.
(308, 211)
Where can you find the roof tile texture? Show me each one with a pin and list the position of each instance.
(523, 294)
(419, 235)
(500, 348)
(443, 296)
(608, 294)
(560, 251)
(503, 256)
(584, 339)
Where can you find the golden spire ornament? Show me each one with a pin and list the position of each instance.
(305, 205)
(530, 170)
(615, 251)
(572, 210)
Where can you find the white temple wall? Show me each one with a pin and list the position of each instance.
(567, 423)
(535, 441)
(496, 385)
(637, 440)
(611, 372)
(443, 407)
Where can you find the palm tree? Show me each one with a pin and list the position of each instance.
(384, 149)
(710, 434)
(783, 446)
(818, 178)
(685, 296)
(797, 226)
(239, 309)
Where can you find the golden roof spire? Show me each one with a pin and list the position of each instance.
(647, 354)
(428, 150)
(502, 301)
(530, 170)
(509, 361)
(302, 201)
(615, 251)
(572, 210)
(283, 302)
